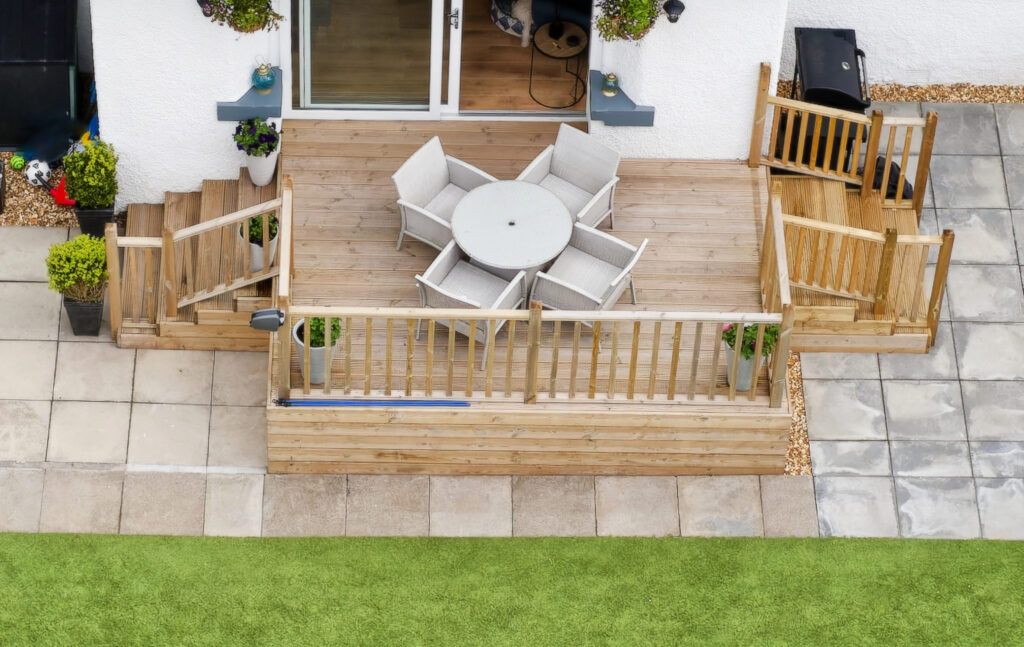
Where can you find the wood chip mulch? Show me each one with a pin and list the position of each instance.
(950, 93)
(798, 455)
(25, 204)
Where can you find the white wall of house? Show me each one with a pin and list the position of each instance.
(160, 69)
(700, 74)
(917, 42)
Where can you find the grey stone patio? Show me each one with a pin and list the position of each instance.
(933, 445)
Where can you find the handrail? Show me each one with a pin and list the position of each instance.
(286, 237)
(779, 248)
(524, 315)
(824, 111)
(227, 219)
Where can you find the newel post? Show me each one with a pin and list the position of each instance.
(760, 110)
(532, 353)
(871, 155)
(885, 273)
(114, 283)
(170, 278)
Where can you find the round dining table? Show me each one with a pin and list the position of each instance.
(508, 226)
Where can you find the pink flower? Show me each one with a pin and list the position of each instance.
(726, 327)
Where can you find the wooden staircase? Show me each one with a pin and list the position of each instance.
(219, 322)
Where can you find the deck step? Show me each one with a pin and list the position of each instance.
(207, 317)
(249, 194)
(219, 197)
(825, 313)
(252, 303)
(139, 297)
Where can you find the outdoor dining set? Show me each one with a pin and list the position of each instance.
(503, 241)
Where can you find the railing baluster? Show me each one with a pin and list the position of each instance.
(855, 157)
(829, 141)
(713, 382)
(841, 156)
(410, 325)
(633, 355)
(532, 353)
(655, 343)
(815, 141)
(737, 352)
(471, 358)
(774, 138)
(758, 345)
(574, 365)
(698, 333)
(368, 358)
(450, 385)
(389, 328)
(789, 135)
(429, 386)
(613, 360)
(307, 337)
(328, 354)
(903, 165)
(800, 140)
(594, 350)
(348, 354)
(674, 366)
(491, 331)
(556, 339)
(508, 358)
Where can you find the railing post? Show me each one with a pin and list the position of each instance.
(114, 283)
(170, 278)
(780, 368)
(760, 110)
(939, 284)
(924, 160)
(871, 155)
(284, 353)
(532, 353)
(885, 273)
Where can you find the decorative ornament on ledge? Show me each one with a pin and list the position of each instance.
(263, 78)
(610, 85)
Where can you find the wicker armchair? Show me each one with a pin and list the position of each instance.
(581, 172)
(429, 185)
(591, 274)
(451, 282)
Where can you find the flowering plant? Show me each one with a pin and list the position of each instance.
(257, 137)
(626, 19)
(242, 15)
(749, 342)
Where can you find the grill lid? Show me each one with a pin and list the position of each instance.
(829, 68)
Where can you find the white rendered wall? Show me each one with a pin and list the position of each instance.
(160, 69)
(917, 42)
(700, 74)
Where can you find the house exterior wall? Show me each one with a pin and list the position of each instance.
(918, 42)
(160, 69)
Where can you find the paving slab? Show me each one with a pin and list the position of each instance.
(637, 506)
(1017, 218)
(787, 504)
(924, 410)
(1013, 168)
(81, 500)
(174, 376)
(930, 458)
(21, 495)
(1001, 508)
(1010, 119)
(998, 460)
(169, 434)
(900, 109)
(26, 372)
(985, 293)
(238, 437)
(989, 351)
(67, 334)
(23, 251)
(994, 410)
(937, 508)
(850, 458)
(983, 236)
(240, 378)
(553, 506)
(844, 410)
(89, 432)
(24, 426)
(234, 505)
(97, 372)
(964, 128)
(928, 225)
(163, 503)
(388, 505)
(856, 506)
(968, 182)
(470, 506)
(939, 363)
(720, 506)
(304, 505)
(839, 366)
(31, 311)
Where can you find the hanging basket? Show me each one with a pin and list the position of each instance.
(612, 30)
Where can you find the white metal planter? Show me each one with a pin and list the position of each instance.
(745, 370)
(261, 167)
(317, 355)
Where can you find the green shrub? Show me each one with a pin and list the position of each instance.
(771, 336)
(316, 331)
(246, 15)
(627, 19)
(256, 229)
(257, 137)
(78, 268)
(91, 176)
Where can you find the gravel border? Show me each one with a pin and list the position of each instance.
(25, 204)
(938, 93)
(798, 454)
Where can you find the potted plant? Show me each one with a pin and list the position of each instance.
(255, 240)
(245, 16)
(91, 179)
(261, 142)
(748, 344)
(316, 346)
(78, 269)
(627, 19)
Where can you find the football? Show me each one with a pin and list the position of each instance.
(36, 169)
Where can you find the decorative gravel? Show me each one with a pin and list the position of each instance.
(798, 455)
(25, 204)
(950, 93)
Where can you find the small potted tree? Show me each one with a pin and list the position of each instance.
(261, 143)
(748, 344)
(78, 269)
(91, 179)
(255, 240)
(316, 345)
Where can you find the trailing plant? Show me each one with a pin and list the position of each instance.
(91, 176)
(257, 137)
(243, 15)
(627, 19)
(256, 229)
(749, 341)
(78, 268)
(316, 331)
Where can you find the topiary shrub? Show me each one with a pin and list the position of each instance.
(256, 229)
(78, 268)
(91, 176)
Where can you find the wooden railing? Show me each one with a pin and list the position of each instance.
(538, 356)
(774, 274)
(900, 138)
(133, 264)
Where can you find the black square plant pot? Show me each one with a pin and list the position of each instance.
(93, 221)
(85, 317)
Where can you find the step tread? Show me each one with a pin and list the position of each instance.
(144, 219)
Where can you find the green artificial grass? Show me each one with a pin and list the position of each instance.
(90, 590)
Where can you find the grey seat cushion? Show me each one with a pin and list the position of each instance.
(472, 283)
(584, 271)
(571, 195)
(443, 204)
